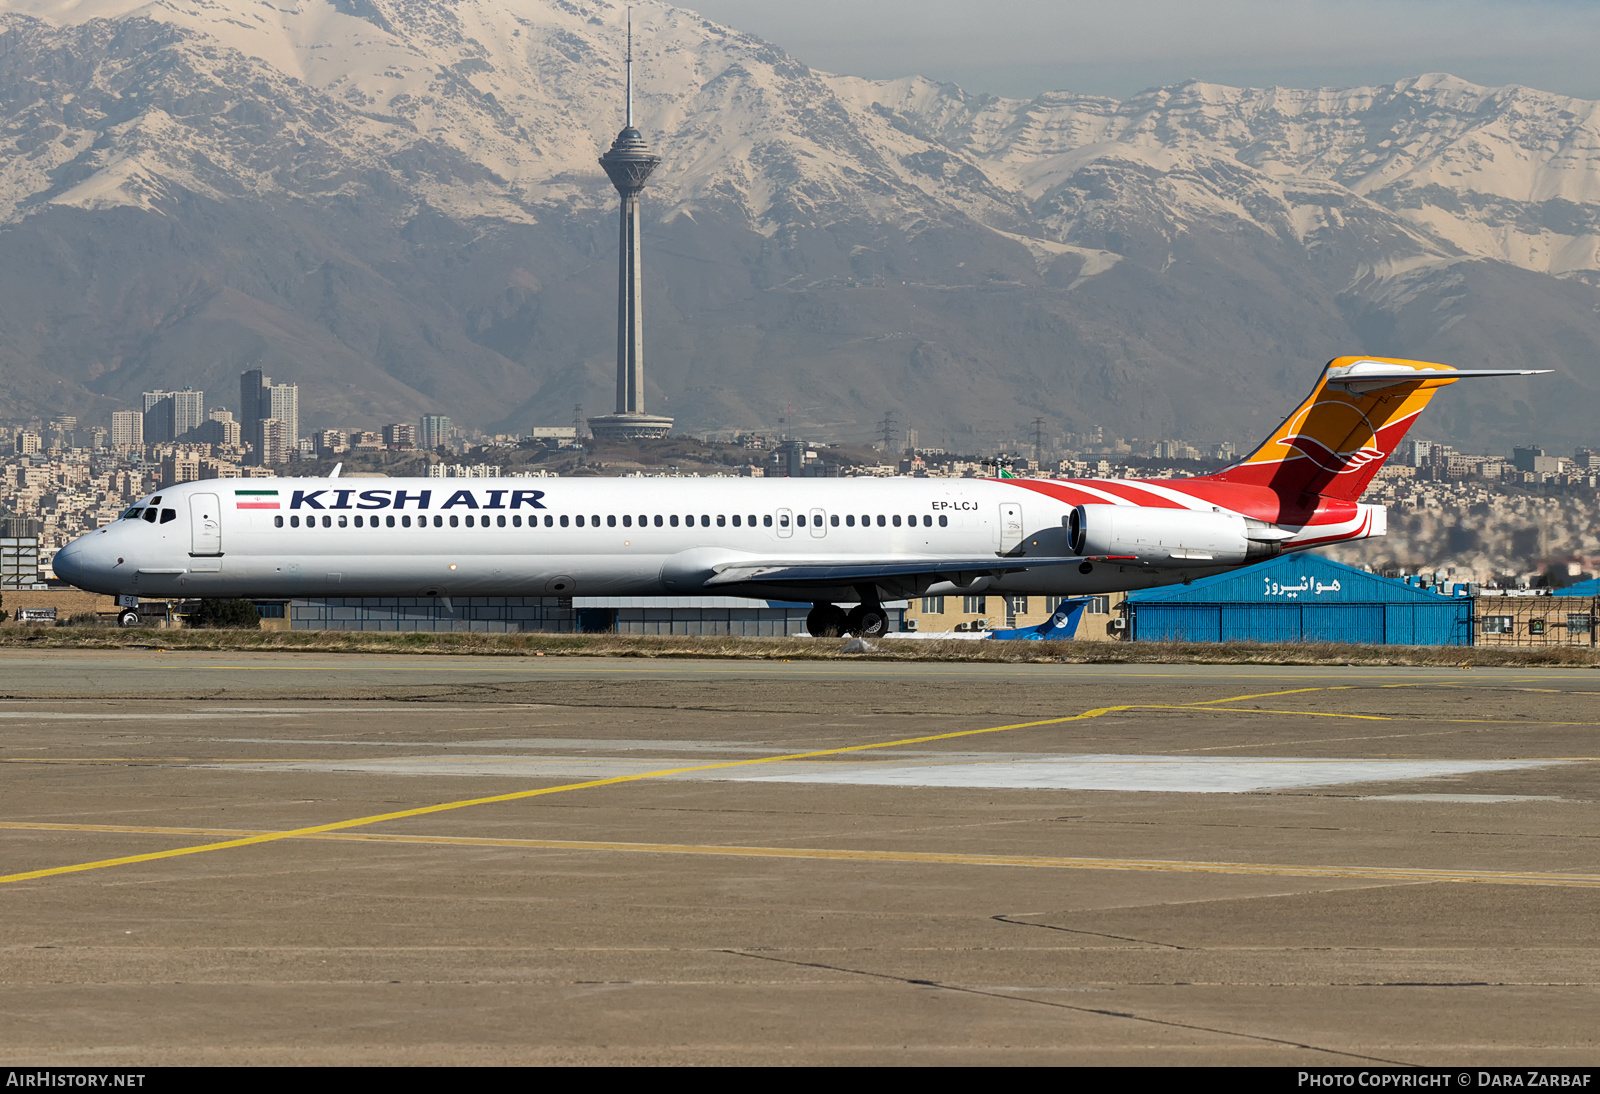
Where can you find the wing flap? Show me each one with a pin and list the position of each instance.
(848, 572)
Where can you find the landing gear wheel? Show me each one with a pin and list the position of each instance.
(867, 621)
(825, 621)
(128, 618)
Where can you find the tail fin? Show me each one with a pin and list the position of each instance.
(1353, 420)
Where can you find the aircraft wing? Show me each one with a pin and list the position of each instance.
(850, 572)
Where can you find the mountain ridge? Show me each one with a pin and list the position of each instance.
(414, 193)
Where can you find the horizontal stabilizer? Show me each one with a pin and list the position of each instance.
(1375, 375)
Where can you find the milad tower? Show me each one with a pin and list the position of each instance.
(628, 164)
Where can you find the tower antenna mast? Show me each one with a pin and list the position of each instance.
(630, 68)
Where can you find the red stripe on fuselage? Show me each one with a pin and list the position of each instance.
(1248, 499)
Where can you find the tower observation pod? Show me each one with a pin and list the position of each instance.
(628, 164)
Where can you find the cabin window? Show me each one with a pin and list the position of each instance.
(388, 522)
(499, 521)
(294, 522)
(405, 522)
(627, 520)
(563, 520)
(595, 520)
(705, 520)
(358, 522)
(469, 520)
(944, 521)
(580, 520)
(722, 521)
(658, 520)
(783, 520)
(611, 520)
(834, 520)
(896, 520)
(455, 521)
(849, 520)
(672, 520)
(277, 522)
(344, 521)
(516, 521)
(736, 520)
(766, 521)
(800, 520)
(881, 521)
(927, 520)
(549, 520)
(752, 520)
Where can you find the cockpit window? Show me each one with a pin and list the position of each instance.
(168, 514)
(156, 500)
(151, 513)
(133, 514)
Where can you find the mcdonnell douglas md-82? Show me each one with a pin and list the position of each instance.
(827, 541)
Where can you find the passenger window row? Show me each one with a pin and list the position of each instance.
(672, 520)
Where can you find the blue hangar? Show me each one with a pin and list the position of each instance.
(1300, 598)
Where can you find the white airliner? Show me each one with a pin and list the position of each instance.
(856, 540)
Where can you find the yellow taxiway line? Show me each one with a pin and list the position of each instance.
(617, 780)
(841, 854)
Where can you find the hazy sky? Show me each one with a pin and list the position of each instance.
(1117, 47)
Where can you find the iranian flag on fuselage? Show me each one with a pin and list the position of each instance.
(255, 499)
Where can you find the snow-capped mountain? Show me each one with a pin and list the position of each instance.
(397, 202)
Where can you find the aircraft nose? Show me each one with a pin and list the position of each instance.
(76, 565)
(69, 563)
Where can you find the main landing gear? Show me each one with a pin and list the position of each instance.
(866, 620)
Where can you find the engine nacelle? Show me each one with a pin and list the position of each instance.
(1167, 537)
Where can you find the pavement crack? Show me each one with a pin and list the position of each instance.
(1102, 1011)
(1074, 930)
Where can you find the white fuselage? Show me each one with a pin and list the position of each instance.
(265, 538)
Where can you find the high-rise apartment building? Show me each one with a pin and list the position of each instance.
(158, 417)
(171, 415)
(261, 399)
(251, 383)
(435, 431)
(275, 442)
(283, 402)
(399, 435)
(127, 429)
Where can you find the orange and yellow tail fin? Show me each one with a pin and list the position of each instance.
(1354, 418)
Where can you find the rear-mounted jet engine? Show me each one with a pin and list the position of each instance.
(1161, 536)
